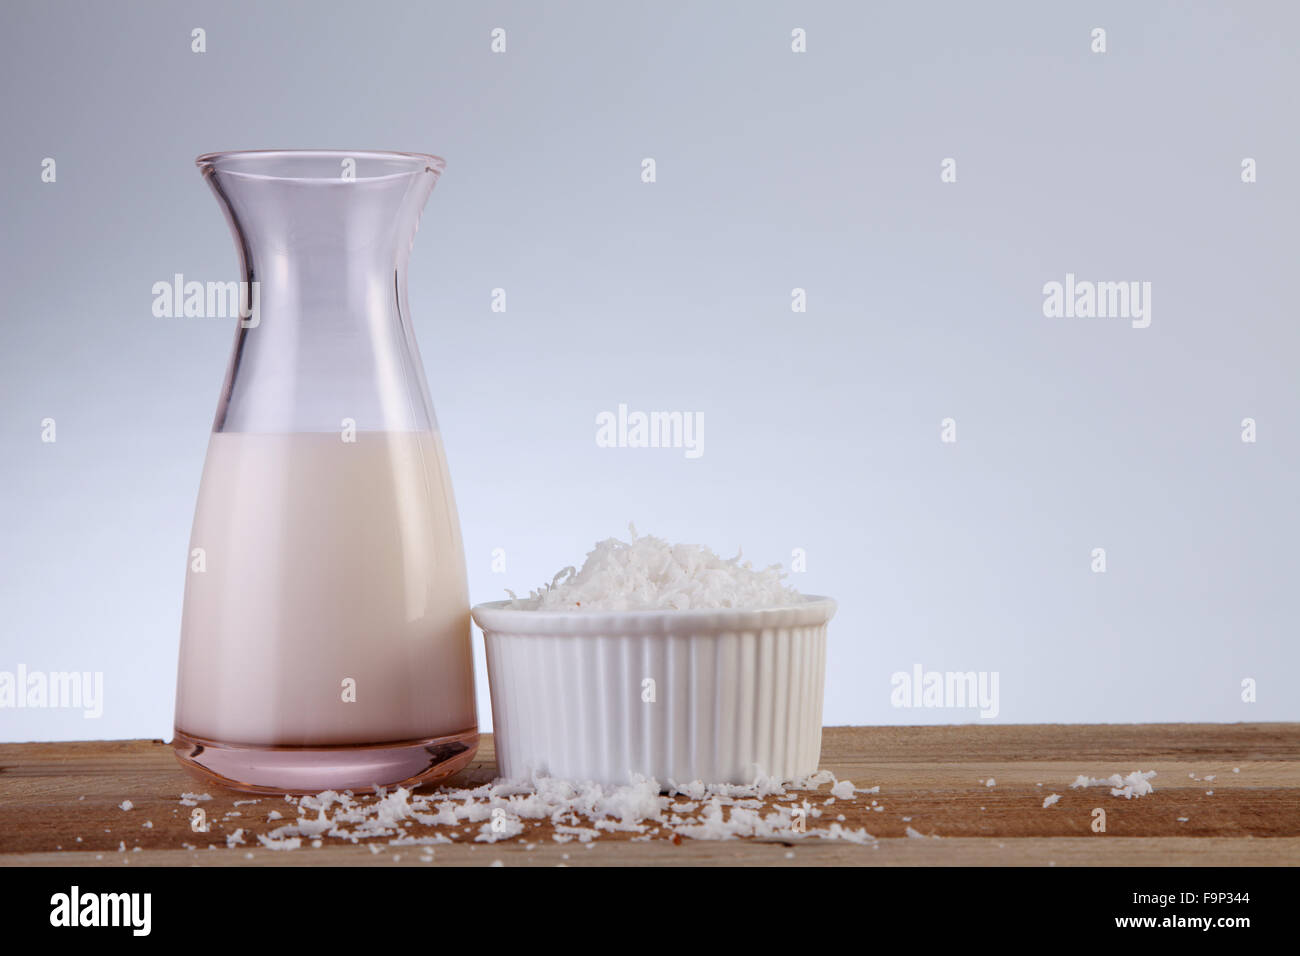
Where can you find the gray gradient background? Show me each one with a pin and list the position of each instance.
(775, 170)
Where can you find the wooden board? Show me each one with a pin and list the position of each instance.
(931, 779)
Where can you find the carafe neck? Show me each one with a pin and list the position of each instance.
(324, 246)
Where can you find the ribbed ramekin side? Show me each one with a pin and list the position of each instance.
(719, 706)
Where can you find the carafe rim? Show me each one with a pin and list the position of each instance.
(278, 164)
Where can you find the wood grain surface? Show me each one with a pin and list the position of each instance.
(60, 805)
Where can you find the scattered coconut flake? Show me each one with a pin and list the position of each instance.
(431, 840)
(840, 832)
(125, 805)
(1183, 819)
(583, 834)
(767, 808)
(1050, 799)
(148, 825)
(1136, 784)
(814, 780)
(843, 789)
(493, 831)
(648, 573)
(694, 790)
(990, 782)
(288, 843)
(235, 839)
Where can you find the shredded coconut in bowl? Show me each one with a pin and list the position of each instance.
(649, 574)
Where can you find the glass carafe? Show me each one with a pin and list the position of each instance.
(325, 642)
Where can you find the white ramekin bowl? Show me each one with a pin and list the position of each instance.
(721, 696)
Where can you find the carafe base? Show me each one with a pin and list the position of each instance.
(307, 770)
